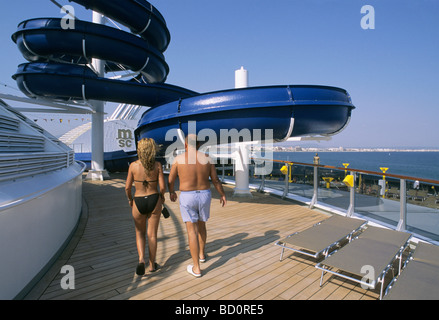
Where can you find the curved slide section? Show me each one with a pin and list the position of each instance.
(58, 56)
(58, 71)
(45, 38)
(68, 81)
(258, 113)
(139, 15)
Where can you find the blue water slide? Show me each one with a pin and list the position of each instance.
(256, 113)
(45, 38)
(61, 81)
(139, 15)
(59, 56)
(58, 70)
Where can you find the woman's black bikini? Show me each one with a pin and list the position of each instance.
(146, 204)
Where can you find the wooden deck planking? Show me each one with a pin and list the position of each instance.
(243, 262)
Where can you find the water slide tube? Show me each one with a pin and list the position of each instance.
(57, 70)
(256, 113)
(59, 56)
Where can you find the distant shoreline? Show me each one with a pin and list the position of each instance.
(289, 149)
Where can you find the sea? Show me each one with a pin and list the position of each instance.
(413, 164)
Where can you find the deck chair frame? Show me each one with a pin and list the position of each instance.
(316, 254)
(365, 281)
(417, 268)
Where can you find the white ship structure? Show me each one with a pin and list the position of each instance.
(40, 200)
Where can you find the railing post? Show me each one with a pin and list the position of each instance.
(286, 186)
(261, 187)
(402, 224)
(316, 185)
(351, 208)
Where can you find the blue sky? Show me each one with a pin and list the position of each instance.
(391, 72)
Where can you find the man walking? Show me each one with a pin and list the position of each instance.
(194, 169)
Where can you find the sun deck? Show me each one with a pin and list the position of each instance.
(242, 263)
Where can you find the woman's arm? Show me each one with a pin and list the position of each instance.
(162, 183)
(129, 184)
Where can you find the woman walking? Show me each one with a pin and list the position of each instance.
(147, 175)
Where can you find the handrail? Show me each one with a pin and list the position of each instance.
(14, 166)
(421, 228)
(42, 191)
(353, 170)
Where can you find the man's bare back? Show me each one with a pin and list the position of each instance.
(194, 169)
(194, 175)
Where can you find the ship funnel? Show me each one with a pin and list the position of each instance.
(241, 78)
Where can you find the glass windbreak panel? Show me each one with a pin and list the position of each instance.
(275, 179)
(332, 190)
(256, 174)
(225, 171)
(393, 191)
(372, 199)
(301, 181)
(423, 209)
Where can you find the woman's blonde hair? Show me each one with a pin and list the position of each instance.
(146, 151)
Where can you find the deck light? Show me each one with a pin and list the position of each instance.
(349, 181)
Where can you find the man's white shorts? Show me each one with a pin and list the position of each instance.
(195, 205)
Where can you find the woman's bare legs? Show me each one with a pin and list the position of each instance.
(153, 225)
(140, 224)
(142, 230)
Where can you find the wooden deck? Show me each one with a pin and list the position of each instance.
(243, 262)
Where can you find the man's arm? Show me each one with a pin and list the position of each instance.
(217, 184)
(171, 181)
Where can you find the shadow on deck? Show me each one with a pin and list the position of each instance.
(243, 262)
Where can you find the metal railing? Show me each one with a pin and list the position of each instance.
(400, 202)
(15, 166)
(26, 149)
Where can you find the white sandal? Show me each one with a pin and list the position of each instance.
(189, 269)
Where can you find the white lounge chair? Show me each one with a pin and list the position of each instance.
(322, 237)
(368, 258)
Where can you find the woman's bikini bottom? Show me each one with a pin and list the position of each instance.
(146, 204)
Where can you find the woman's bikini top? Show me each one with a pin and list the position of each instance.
(145, 182)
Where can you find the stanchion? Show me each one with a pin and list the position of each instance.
(383, 169)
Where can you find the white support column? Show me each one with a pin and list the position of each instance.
(242, 160)
(97, 171)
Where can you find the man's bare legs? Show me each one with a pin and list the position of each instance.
(202, 237)
(197, 235)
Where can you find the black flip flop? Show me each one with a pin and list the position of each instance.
(156, 267)
(140, 270)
